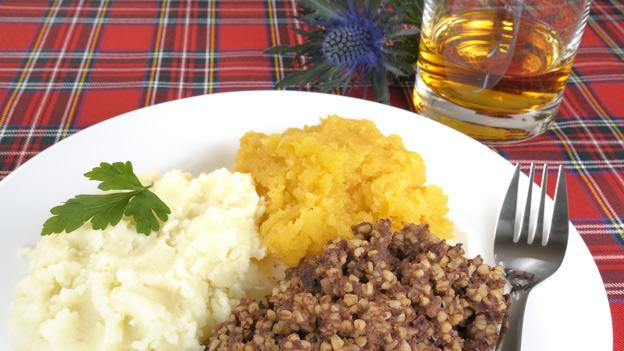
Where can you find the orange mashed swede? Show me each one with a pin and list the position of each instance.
(320, 180)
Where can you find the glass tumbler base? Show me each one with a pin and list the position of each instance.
(499, 129)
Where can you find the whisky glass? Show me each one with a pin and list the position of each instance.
(496, 69)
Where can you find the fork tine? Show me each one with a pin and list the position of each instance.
(507, 216)
(538, 233)
(559, 224)
(526, 215)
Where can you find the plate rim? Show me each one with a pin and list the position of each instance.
(129, 114)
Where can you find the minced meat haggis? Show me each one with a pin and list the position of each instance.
(379, 291)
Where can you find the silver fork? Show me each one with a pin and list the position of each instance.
(529, 259)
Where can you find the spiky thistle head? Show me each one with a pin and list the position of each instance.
(352, 40)
(359, 42)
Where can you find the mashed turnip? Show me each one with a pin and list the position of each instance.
(320, 180)
(114, 289)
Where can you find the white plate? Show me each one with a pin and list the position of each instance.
(569, 311)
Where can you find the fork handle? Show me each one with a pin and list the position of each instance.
(511, 339)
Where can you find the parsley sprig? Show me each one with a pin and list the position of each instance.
(133, 200)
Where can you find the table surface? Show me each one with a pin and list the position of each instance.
(65, 65)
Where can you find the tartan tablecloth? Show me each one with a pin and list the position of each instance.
(65, 65)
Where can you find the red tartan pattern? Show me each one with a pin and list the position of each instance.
(67, 64)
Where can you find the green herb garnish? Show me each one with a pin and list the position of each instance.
(135, 200)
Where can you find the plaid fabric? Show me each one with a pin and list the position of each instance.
(67, 64)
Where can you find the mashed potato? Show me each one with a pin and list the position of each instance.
(118, 290)
(320, 180)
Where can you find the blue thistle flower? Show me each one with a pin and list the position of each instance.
(352, 44)
(364, 40)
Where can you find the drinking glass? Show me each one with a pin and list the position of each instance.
(496, 69)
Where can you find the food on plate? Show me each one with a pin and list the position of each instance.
(319, 180)
(113, 289)
(214, 246)
(381, 290)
